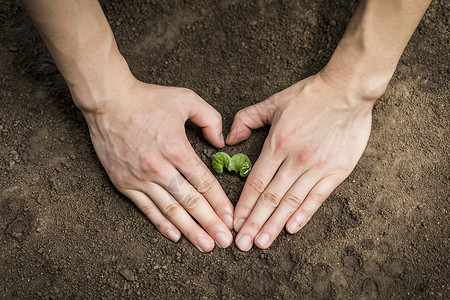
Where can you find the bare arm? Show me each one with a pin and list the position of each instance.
(368, 54)
(82, 45)
(138, 129)
(320, 125)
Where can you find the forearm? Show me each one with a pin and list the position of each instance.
(82, 44)
(370, 49)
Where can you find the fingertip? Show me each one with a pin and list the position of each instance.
(205, 244)
(228, 220)
(237, 135)
(224, 240)
(229, 141)
(173, 235)
(293, 227)
(262, 241)
(244, 243)
(238, 224)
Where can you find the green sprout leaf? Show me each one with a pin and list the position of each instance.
(240, 163)
(219, 161)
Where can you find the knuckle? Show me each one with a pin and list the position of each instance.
(252, 226)
(159, 225)
(171, 210)
(178, 155)
(190, 201)
(305, 213)
(190, 94)
(147, 210)
(284, 137)
(320, 163)
(192, 97)
(292, 200)
(256, 185)
(280, 143)
(151, 165)
(175, 148)
(205, 185)
(270, 199)
(210, 226)
(302, 157)
(318, 197)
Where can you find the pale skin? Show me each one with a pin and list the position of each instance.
(319, 126)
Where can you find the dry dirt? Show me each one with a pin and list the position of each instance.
(65, 232)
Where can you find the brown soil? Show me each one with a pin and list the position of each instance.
(65, 232)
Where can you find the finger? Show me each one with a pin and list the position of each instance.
(249, 118)
(259, 178)
(313, 201)
(198, 207)
(266, 205)
(290, 202)
(195, 171)
(146, 205)
(174, 212)
(205, 116)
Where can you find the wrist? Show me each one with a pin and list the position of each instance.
(358, 72)
(366, 57)
(99, 80)
(83, 47)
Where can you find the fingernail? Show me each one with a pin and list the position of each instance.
(263, 239)
(228, 220)
(223, 240)
(239, 224)
(244, 243)
(173, 235)
(204, 244)
(293, 227)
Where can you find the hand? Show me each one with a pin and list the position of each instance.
(318, 133)
(140, 139)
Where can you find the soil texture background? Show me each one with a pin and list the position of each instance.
(66, 233)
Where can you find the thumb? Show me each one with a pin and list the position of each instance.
(249, 118)
(205, 116)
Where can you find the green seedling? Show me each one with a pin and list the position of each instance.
(238, 163)
(219, 161)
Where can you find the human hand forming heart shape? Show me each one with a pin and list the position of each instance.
(318, 132)
(319, 126)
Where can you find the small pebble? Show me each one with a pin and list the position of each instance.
(127, 274)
